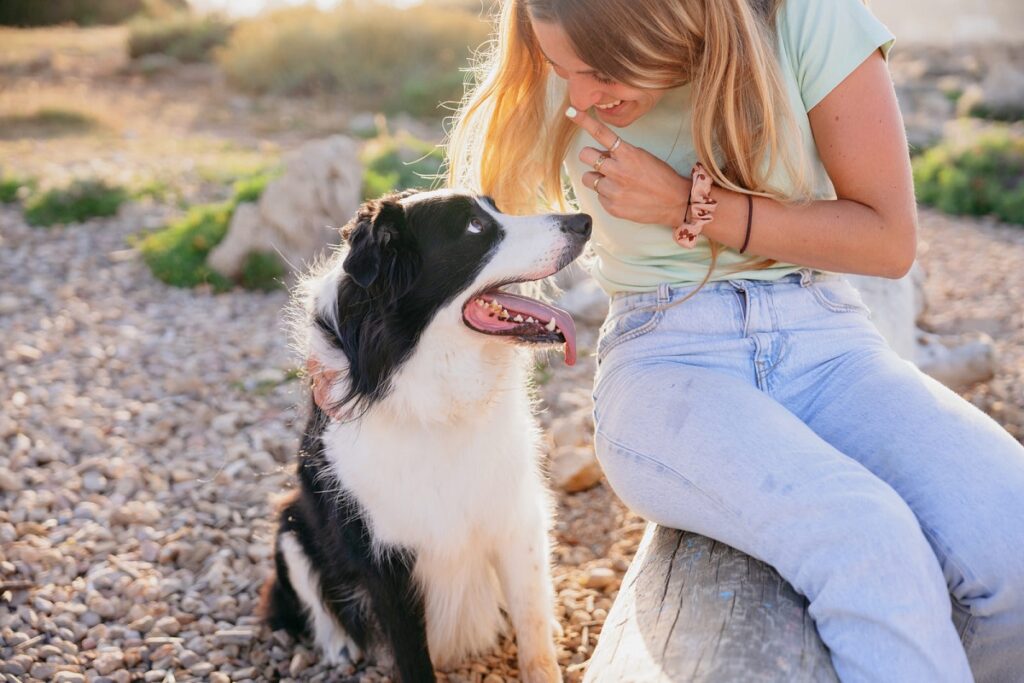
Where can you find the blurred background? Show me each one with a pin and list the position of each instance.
(166, 166)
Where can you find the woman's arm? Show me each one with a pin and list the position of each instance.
(871, 229)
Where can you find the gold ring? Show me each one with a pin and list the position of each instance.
(600, 160)
(596, 181)
(615, 145)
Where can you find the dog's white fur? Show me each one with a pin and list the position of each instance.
(447, 464)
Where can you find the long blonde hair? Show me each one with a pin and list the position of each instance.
(509, 142)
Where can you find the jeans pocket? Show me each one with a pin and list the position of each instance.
(621, 327)
(838, 296)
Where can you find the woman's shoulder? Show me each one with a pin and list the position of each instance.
(823, 41)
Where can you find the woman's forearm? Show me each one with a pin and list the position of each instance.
(838, 235)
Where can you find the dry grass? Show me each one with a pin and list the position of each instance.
(22, 47)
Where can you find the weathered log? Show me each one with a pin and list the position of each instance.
(693, 609)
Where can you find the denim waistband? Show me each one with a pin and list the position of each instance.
(666, 292)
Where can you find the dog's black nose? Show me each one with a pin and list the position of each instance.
(579, 224)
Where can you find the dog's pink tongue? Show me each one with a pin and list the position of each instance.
(543, 311)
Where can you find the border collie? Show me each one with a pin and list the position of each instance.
(422, 518)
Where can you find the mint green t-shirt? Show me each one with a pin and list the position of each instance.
(820, 42)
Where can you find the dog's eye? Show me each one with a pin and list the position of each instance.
(476, 226)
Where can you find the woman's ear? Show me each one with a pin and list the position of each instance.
(372, 237)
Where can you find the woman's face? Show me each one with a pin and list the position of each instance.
(616, 104)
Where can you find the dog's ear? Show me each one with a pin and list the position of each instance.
(373, 237)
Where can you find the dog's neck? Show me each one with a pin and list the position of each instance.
(452, 376)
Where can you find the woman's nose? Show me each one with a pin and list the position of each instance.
(582, 95)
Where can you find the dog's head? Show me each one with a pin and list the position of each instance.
(413, 261)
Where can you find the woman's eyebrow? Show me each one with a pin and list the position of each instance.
(582, 73)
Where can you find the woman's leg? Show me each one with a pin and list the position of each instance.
(697, 449)
(959, 471)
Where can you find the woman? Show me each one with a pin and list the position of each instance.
(742, 392)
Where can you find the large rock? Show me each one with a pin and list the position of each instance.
(897, 305)
(1000, 95)
(893, 305)
(300, 212)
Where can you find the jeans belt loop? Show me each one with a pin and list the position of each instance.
(664, 293)
(806, 277)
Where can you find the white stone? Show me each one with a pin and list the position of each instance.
(300, 212)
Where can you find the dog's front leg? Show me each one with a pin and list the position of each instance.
(523, 567)
(400, 611)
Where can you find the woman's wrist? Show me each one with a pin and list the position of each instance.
(676, 209)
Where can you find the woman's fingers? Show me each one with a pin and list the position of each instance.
(605, 186)
(600, 161)
(597, 130)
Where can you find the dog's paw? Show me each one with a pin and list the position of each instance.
(543, 669)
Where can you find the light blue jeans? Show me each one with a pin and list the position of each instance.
(773, 417)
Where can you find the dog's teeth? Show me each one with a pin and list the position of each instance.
(518, 318)
(530, 320)
(503, 315)
(480, 302)
(551, 327)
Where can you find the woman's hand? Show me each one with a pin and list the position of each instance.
(632, 183)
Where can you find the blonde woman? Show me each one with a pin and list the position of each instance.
(742, 391)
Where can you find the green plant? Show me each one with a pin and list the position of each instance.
(398, 162)
(982, 176)
(262, 271)
(250, 189)
(177, 253)
(82, 199)
(10, 186)
(46, 12)
(184, 36)
(48, 122)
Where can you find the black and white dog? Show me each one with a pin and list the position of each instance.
(422, 514)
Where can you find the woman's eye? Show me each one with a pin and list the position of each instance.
(603, 79)
(476, 226)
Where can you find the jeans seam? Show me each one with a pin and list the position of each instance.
(651, 462)
(834, 306)
(632, 334)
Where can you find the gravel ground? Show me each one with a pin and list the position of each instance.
(145, 432)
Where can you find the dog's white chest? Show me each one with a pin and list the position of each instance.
(424, 487)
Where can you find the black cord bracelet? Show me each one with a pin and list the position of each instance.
(750, 218)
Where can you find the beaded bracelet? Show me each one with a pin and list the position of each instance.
(700, 208)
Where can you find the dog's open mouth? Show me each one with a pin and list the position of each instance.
(501, 313)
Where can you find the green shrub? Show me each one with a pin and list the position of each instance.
(376, 56)
(177, 253)
(263, 271)
(78, 201)
(184, 36)
(983, 176)
(48, 12)
(10, 185)
(47, 122)
(398, 162)
(250, 189)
